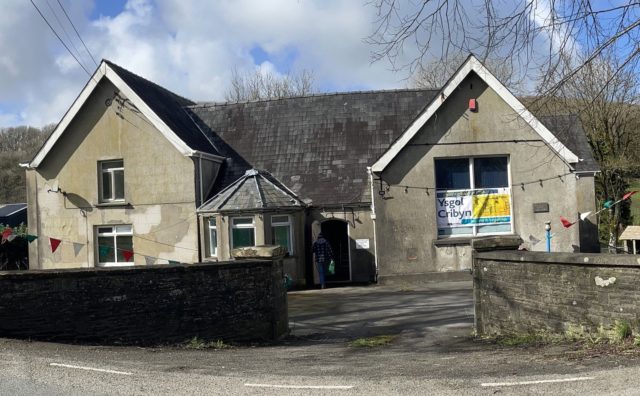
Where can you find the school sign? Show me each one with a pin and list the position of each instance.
(459, 208)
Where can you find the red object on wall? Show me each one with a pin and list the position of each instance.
(473, 105)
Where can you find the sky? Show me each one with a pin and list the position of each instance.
(189, 47)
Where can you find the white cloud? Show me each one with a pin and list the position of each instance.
(188, 47)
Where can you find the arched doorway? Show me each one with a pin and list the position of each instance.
(337, 233)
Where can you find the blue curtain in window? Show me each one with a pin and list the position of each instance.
(490, 172)
(452, 174)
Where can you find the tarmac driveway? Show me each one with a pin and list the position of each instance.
(435, 314)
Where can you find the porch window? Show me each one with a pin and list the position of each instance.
(243, 232)
(473, 196)
(281, 232)
(113, 242)
(111, 181)
(213, 237)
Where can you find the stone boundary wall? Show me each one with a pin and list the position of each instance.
(149, 305)
(518, 291)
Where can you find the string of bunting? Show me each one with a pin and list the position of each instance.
(522, 185)
(566, 223)
(9, 235)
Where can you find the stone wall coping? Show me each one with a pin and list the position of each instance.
(168, 268)
(590, 259)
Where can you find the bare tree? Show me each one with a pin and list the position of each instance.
(267, 85)
(436, 73)
(532, 34)
(18, 144)
(605, 94)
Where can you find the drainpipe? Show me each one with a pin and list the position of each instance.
(373, 218)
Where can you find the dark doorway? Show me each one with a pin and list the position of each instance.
(337, 233)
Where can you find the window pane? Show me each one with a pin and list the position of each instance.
(212, 222)
(242, 237)
(123, 243)
(281, 237)
(489, 229)
(490, 172)
(105, 230)
(452, 174)
(213, 241)
(279, 219)
(118, 184)
(106, 249)
(455, 231)
(244, 220)
(106, 186)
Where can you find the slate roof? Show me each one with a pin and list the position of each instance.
(320, 145)
(568, 130)
(169, 107)
(10, 209)
(255, 190)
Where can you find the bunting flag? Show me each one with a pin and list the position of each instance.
(77, 247)
(566, 223)
(628, 195)
(127, 254)
(6, 233)
(31, 238)
(172, 262)
(584, 215)
(11, 237)
(54, 244)
(608, 204)
(149, 260)
(533, 239)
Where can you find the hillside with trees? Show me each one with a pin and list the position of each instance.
(18, 144)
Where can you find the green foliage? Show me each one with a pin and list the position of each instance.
(621, 331)
(371, 342)
(14, 255)
(17, 145)
(198, 343)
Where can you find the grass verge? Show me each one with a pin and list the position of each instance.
(371, 342)
(197, 343)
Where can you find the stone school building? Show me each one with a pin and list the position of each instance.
(400, 182)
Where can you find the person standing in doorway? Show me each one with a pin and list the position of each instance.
(322, 256)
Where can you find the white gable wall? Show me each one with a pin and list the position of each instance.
(406, 225)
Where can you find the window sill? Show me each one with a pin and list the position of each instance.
(464, 240)
(115, 204)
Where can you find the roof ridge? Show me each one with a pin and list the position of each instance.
(110, 63)
(313, 95)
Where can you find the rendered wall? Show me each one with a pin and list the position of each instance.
(243, 300)
(406, 226)
(519, 292)
(160, 189)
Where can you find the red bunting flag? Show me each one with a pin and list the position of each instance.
(54, 244)
(628, 195)
(127, 254)
(5, 234)
(566, 223)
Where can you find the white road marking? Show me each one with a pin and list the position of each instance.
(300, 386)
(549, 381)
(90, 369)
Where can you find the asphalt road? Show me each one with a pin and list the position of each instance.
(432, 353)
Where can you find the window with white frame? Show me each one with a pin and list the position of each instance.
(111, 181)
(282, 232)
(115, 245)
(243, 232)
(473, 196)
(213, 237)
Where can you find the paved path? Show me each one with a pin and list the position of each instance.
(432, 354)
